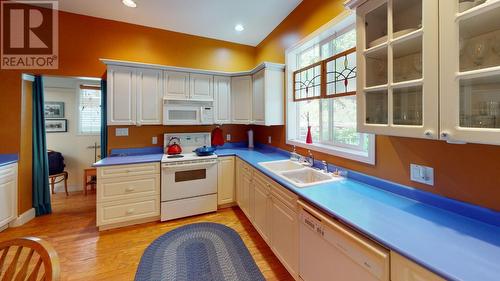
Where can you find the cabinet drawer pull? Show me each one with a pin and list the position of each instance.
(129, 189)
(130, 211)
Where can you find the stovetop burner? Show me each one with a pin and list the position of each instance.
(175, 156)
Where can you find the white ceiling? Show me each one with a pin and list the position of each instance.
(208, 18)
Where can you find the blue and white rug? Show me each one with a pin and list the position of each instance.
(198, 252)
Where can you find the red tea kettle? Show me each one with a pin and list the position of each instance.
(173, 147)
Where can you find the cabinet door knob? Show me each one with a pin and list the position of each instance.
(129, 189)
(445, 134)
(130, 211)
(428, 133)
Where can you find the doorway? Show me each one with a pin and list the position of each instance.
(72, 111)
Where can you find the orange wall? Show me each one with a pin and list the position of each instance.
(464, 172)
(83, 40)
(142, 136)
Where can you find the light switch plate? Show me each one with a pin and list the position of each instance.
(154, 140)
(269, 139)
(422, 174)
(121, 132)
(228, 137)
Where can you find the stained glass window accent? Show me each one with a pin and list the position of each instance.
(341, 74)
(307, 82)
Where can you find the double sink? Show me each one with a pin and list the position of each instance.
(298, 174)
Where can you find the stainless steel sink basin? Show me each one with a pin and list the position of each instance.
(297, 174)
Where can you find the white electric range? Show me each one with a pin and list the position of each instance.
(188, 181)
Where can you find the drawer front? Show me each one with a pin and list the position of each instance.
(8, 173)
(246, 168)
(127, 210)
(286, 196)
(127, 188)
(128, 170)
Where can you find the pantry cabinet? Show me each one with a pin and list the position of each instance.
(241, 99)
(222, 99)
(397, 78)
(134, 96)
(225, 181)
(470, 72)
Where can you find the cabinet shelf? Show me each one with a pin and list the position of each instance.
(479, 73)
(376, 48)
(376, 88)
(409, 36)
(478, 10)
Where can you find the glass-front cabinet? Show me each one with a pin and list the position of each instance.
(470, 70)
(397, 54)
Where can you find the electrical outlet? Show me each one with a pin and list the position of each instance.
(121, 132)
(422, 174)
(269, 139)
(228, 137)
(154, 140)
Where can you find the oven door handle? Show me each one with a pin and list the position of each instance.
(189, 166)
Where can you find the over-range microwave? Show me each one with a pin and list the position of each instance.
(188, 113)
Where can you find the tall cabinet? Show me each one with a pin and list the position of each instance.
(470, 72)
(397, 54)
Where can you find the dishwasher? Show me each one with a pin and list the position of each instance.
(331, 251)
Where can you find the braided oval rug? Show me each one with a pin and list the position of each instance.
(198, 252)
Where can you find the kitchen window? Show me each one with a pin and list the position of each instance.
(321, 92)
(89, 110)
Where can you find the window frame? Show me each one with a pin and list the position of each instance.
(339, 25)
(79, 88)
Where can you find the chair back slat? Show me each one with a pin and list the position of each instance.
(21, 275)
(39, 259)
(4, 256)
(11, 270)
(35, 271)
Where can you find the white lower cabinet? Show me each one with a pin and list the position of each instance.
(403, 269)
(127, 194)
(8, 194)
(272, 211)
(225, 181)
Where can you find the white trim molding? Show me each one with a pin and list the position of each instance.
(23, 218)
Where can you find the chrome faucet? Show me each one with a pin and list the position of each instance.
(310, 158)
(294, 156)
(325, 166)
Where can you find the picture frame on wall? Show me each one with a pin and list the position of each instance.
(56, 126)
(54, 109)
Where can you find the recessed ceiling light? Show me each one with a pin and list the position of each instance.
(129, 3)
(239, 27)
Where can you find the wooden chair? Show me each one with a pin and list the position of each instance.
(28, 259)
(62, 177)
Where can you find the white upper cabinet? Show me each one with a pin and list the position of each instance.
(398, 78)
(268, 96)
(222, 99)
(176, 85)
(201, 87)
(121, 95)
(470, 80)
(241, 99)
(149, 96)
(258, 98)
(134, 96)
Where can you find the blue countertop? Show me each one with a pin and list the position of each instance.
(452, 245)
(6, 159)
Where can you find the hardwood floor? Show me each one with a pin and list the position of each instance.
(87, 254)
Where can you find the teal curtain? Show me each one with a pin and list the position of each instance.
(41, 191)
(104, 118)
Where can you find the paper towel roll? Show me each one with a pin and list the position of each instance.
(250, 138)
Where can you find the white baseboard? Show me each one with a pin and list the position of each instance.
(23, 218)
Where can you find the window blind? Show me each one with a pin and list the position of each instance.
(90, 110)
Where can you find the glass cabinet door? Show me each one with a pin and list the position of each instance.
(398, 66)
(470, 87)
